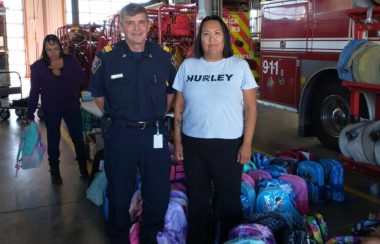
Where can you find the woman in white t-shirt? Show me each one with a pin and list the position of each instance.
(215, 118)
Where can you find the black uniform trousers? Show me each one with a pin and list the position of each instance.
(207, 162)
(127, 149)
(73, 121)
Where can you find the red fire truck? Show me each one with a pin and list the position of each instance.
(300, 43)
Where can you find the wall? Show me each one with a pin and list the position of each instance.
(42, 17)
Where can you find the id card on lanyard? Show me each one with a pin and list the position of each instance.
(157, 138)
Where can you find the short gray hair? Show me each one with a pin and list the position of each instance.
(132, 9)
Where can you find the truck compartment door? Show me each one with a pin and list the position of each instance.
(278, 80)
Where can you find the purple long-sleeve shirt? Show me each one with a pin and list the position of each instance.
(58, 93)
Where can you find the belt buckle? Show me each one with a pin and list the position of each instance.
(142, 123)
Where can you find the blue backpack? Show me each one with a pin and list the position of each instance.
(313, 174)
(247, 198)
(249, 166)
(334, 177)
(278, 196)
(276, 170)
(31, 148)
(261, 160)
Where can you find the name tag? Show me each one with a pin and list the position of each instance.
(116, 76)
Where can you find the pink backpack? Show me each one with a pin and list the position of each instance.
(259, 174)
(134, 233)
(300, 189)
(248, 179)
(177, 173)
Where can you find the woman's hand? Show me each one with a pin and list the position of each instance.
(178, 152)
(244, 154)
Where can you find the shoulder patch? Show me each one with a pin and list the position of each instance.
(107, 48)
(96, 63)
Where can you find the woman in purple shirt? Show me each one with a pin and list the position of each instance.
(57, 77)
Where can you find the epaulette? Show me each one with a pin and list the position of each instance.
(107, 48)
(166, 48)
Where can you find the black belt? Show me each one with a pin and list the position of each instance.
(143, 124)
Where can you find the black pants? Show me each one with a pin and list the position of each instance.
(206, 161)
(73, 121)
(125, 150)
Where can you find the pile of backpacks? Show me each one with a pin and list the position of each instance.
(276, 193)
(275, 196)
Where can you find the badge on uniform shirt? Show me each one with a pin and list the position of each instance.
(116, 76)
(95, 64)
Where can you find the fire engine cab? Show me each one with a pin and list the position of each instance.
(300, 42)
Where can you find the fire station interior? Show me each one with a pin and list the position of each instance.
(32, 210)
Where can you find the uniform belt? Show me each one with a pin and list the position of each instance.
(143, 124)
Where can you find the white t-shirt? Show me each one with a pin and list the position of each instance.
(213, 96)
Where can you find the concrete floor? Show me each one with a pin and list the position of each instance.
(34, 211)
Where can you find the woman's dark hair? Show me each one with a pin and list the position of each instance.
(227, 50)
(47, 39)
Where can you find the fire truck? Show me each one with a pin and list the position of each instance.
(300, 43)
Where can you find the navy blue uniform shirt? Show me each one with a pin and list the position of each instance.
(134, 86)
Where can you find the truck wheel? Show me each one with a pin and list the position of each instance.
(330, 113)
(5, 114)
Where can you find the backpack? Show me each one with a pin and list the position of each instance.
(258, 175)
(261, 160)
(317, 227)
(276, 170)
(277, 195)
(295, 237)
(97, 188)
(249, 166)
(365, 227)
(259, 232)
(297, 153)
(245, 240)
(273, 220)
(134, 233)
(247, 198)
(346, 240)
(248, 179)
(31, 149)
(175, 227)
(313, 174)
(334, 179)
(181, 26)
(290, 164)
(177, 172)
(300, 189)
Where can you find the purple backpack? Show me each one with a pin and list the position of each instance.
(260, 232)
(300, 189)
(175, 227)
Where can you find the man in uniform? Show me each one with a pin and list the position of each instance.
(131, 85)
